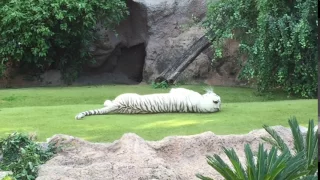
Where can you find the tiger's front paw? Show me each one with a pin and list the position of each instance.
(79, 116)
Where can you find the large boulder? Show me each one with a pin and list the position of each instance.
(170, 33)
(166, 28)
(131, 157)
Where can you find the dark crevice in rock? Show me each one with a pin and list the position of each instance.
(131, 62)
(120, 58)
(124, 65)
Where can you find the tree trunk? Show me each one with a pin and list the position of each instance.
(179, 65)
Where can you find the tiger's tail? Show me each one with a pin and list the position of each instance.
(100, 111)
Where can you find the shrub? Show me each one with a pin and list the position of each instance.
(272, 165)
(22, 156)
(278, 37)
(162, 85)
(40, 34)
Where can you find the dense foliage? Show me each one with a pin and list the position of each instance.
(279, 39)
(273, 165)
(39, 34)
(22, 156)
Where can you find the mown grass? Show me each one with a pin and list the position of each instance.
(97, 94)
(49, 111)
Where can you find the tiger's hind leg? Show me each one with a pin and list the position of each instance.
(104, 110)
(107, 103)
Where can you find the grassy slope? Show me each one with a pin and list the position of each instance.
(49, 111)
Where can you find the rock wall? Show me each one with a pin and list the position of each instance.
(168, 28)
(155, 34)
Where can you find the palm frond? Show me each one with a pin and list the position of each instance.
(310, 177)
(296, 133)
(261, 162)
(271, 141)
(313, 168)
(275, 164)
(203, 177)
(234, 159)
(295, 167)
(277, 141)
(251, 167)
(219, 165)
(312, 148)
(311, 143)
(270, 165)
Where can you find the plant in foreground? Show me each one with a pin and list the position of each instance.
(278, 163)
(308, 144)
(22, 156)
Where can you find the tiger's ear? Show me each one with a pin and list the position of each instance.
(209, 89)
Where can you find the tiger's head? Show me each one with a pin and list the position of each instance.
(211, 101)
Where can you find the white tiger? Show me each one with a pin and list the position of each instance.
(177, 100)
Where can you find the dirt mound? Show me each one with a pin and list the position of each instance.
(131, 157)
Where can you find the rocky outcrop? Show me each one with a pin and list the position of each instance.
(166, 28)
(155, 35)
(131, 157)
(170, 33)
(120, 53)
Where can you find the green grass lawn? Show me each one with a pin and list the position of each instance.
(49, 111)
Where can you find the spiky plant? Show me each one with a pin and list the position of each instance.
(308, 144)
(277, 164)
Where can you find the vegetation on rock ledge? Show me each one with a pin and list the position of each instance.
(37, 35)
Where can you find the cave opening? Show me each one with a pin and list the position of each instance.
(131, 62)
(123, 62)
(124, 66)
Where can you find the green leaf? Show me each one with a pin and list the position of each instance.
(251, 167)
(297, 136)
(311, 143)
(275, 164)
(239, 171)
(219, 165)
(203, 177)
(277, 141)
(261, 162)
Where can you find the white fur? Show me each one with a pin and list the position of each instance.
(183, 91)
(177, 100)
(107, 103)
